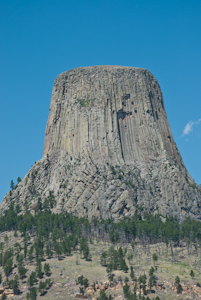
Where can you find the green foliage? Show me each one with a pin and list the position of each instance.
(6, 238)
(62, 233)
(48, 251)
(18, 179)
(84, 248)
(32, 279)
(39, 272)
(15, 285)
(114, 259)
(25, 246)
(80, 279)
(155, 257)
(177, 281)
(33, 293)
(42, 286)
(103, 258)
(113, 170)
(142, 279)
(8, 266)
(12, 185)
(151, 271)
(114, 236)
(132, 275)
(81, 290)
(151, 226)
(83, 281)
(85, 102)
(152, 281)
(103, 296)
(46, 268)
(22, 271)
(130, 257)
(192, 273)
(126, 290)
(30, 253)
(3, 297)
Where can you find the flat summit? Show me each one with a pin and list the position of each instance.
(109, 150)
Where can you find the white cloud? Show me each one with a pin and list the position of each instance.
(189, 127)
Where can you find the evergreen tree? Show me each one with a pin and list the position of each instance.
(33, 293)
(32, 279)
(46, 268)
(177, 281)
(12, 185)
(151, 271)
(142, 280)
(85, 283)
(155, 258)
(25, 246)
(192, 273)
(3, 297)
(18, 179)
(30, 253)
(42, 286)
(8, 267)
(39, 269)
(15, 285)
(126, 290)
(132, 274)
(22, 271)
(122, 265)
(103, 296)
(81, 290)
(103, 258)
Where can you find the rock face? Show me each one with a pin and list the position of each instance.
(109, 150)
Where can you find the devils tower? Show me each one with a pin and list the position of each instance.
(109, 150)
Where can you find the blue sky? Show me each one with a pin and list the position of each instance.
(41, 39)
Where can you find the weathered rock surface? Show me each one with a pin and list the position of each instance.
(109, 150)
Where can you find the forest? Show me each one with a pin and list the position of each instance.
(63, 234)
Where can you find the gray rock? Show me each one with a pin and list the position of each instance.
(109, 150)
(55, 267)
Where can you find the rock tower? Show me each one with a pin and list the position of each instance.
(109, 150)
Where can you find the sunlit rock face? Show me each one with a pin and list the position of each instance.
(117, 114)
(109, 150)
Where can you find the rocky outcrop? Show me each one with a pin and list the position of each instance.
(109, 150)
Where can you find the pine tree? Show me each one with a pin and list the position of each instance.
(22, 271)
(46, 268)
(85, 283)
(12, 185)
(18, 179)
(155, 258)
(42, 286)
(15, 285)
(132, 274)
(32, 279)
(8, 267)
(3, 297)
(39, 269)
(33, 293)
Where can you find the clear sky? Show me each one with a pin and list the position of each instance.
(41, 39)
